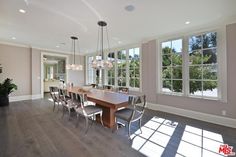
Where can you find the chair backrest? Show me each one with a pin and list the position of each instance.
(123, 90)
(94, 85)
(74, 98)
(107, 87)
(81, 98)
(141, 102)
(62, 94)
(54, 92)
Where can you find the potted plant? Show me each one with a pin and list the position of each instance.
(6, 88)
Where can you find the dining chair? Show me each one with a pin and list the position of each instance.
(107, 87)
(94, 85)
(134, 112)
(124, 90)
(67, 102)
(54, 92)
(89, 111)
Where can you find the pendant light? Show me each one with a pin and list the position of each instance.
(101, 62)
(74, 66)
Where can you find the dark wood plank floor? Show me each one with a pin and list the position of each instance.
(31, 129)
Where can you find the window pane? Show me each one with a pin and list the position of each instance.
(137, 72)
(177, 86)
(210, 88)
(195, 72)
(132, 82)
(166, 72)
(131, 73)
(166, 60)
(209, 56)
(177, 46)
(195, 43)
(177, 72)
(209, 40)
(137, 82)
(111, 81)
(177, 59)
(166, 86)
(166, 47)
(195, 57)
(195, 88)
(210, 72)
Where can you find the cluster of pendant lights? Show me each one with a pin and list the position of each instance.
(97, 63)
(102, 63)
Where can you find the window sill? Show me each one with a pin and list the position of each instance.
(190, 96)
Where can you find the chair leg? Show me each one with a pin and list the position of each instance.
(129, 129)
(140, 124)
(77, 123)
(58, 105)
(69, 113)
(86, 124)
(54, 106)
(63, 111)
(101, 119)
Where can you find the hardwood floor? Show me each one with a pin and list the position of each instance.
(31, 129)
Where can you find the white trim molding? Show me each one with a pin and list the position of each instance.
(225, 121)
(24, 97)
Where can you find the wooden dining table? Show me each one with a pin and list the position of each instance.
(109, 101)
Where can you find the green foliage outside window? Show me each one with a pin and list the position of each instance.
(202, 65)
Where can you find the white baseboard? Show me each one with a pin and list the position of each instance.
(225, 121)
(36, 96)
(24, 97)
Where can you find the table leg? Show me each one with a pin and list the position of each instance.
(108, 116)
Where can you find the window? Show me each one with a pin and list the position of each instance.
(90, 71)
(134, 68)
(203, 65)
(125, 71)
(111, 72)
(194, 71)
(98, 76)
(172, 61)
(121, 67)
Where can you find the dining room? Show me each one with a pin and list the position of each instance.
(117, 78)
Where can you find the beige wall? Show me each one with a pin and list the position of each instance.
(16, 63)
(149, 77)
(23, 65)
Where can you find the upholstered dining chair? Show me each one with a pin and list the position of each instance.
(54, 92)
(89, 111)
(107, 87)
(67, 102)
(123, 90)
(94, 85)
(134, 112)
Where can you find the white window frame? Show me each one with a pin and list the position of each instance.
(140, 70)
(183, 69)
(116, 66)
(86, 72)
(221, 61)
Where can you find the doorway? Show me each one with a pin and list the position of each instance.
(53, 71)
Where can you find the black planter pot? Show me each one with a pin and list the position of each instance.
(4, 100)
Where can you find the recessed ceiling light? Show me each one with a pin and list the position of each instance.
(129, 8)
(187, 22)
(14, 38)
(119, 42)
(57, 46)
(22, 11)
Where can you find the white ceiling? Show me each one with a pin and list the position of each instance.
(47, 23)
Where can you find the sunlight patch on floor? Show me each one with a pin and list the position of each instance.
(202, 142)
(155, 136)
(195, 142)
